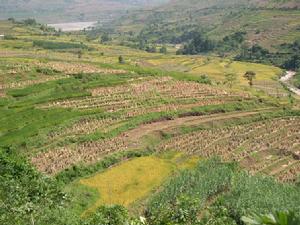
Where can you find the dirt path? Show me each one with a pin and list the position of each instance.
(286, 78)
(144, 130)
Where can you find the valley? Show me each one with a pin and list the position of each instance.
(100, 127)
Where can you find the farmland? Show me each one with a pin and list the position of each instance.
(86, 133)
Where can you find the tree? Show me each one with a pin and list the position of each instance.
(292, 63)
(11, 19)
(199, 44)
(121, 60)
(79, 53)
(163, 50)
(250, 76)
(230, 79)
(151, 49)
(105, 38)
(30, 22)
(204, 79)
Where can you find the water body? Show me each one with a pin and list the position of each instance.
(75, 26)
(286, 78)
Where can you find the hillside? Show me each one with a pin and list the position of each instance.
(202, 4)
(70, 10)
(267, 23)
(98, 133)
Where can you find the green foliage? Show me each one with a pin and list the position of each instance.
(199, 44)
(25, 194)
(58, 45)
(109, 215)
(293, 63)
(121, 59)
(30, 22)
(256, 53)
(228, 193)
(204, 79)
(278, 218)
(235, 39)
(183, 196)
(27, 123)
(9, 37)
(216, 215)
(250, 76)
(151, 49)
(288, 55)
(105, 38)
(255, 194)
(163, 50)
(112, 215)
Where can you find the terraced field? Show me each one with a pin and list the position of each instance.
(88, 122)
(270, 147)
(150, 95)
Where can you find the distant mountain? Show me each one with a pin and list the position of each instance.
(266, 22)
(70, 10)
(201, 4)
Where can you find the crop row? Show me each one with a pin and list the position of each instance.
(21, 84)
(71, 68)
(148, 94)
(53, 161)
(290, 173)
(85, 126)
(268, 141)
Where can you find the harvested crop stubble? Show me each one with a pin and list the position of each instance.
(22, 84)
(256, 146)
(86, 126)
(53, 161)
(291, 172)
(150, 94)
(75, 68)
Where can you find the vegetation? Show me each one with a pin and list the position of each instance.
(250, 75)
(126, 183)
(278, 218)
(217, 185)
(111, 126)
(198, 44)
(57, 45)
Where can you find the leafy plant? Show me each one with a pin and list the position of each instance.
(277, 218)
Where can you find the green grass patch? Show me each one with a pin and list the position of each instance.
(58, 45)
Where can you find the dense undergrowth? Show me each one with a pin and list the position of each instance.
(214, 191)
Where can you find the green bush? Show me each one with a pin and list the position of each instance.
(108, 215)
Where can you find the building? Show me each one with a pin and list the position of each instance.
(1, 36)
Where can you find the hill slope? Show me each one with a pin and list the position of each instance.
(265, 22)
(69, 10)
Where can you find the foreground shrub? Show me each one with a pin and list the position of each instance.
(278, 218)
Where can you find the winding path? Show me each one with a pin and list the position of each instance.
(286, 78)
(136, 134)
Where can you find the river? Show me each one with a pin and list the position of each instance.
(286, 78)
(74, 26)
